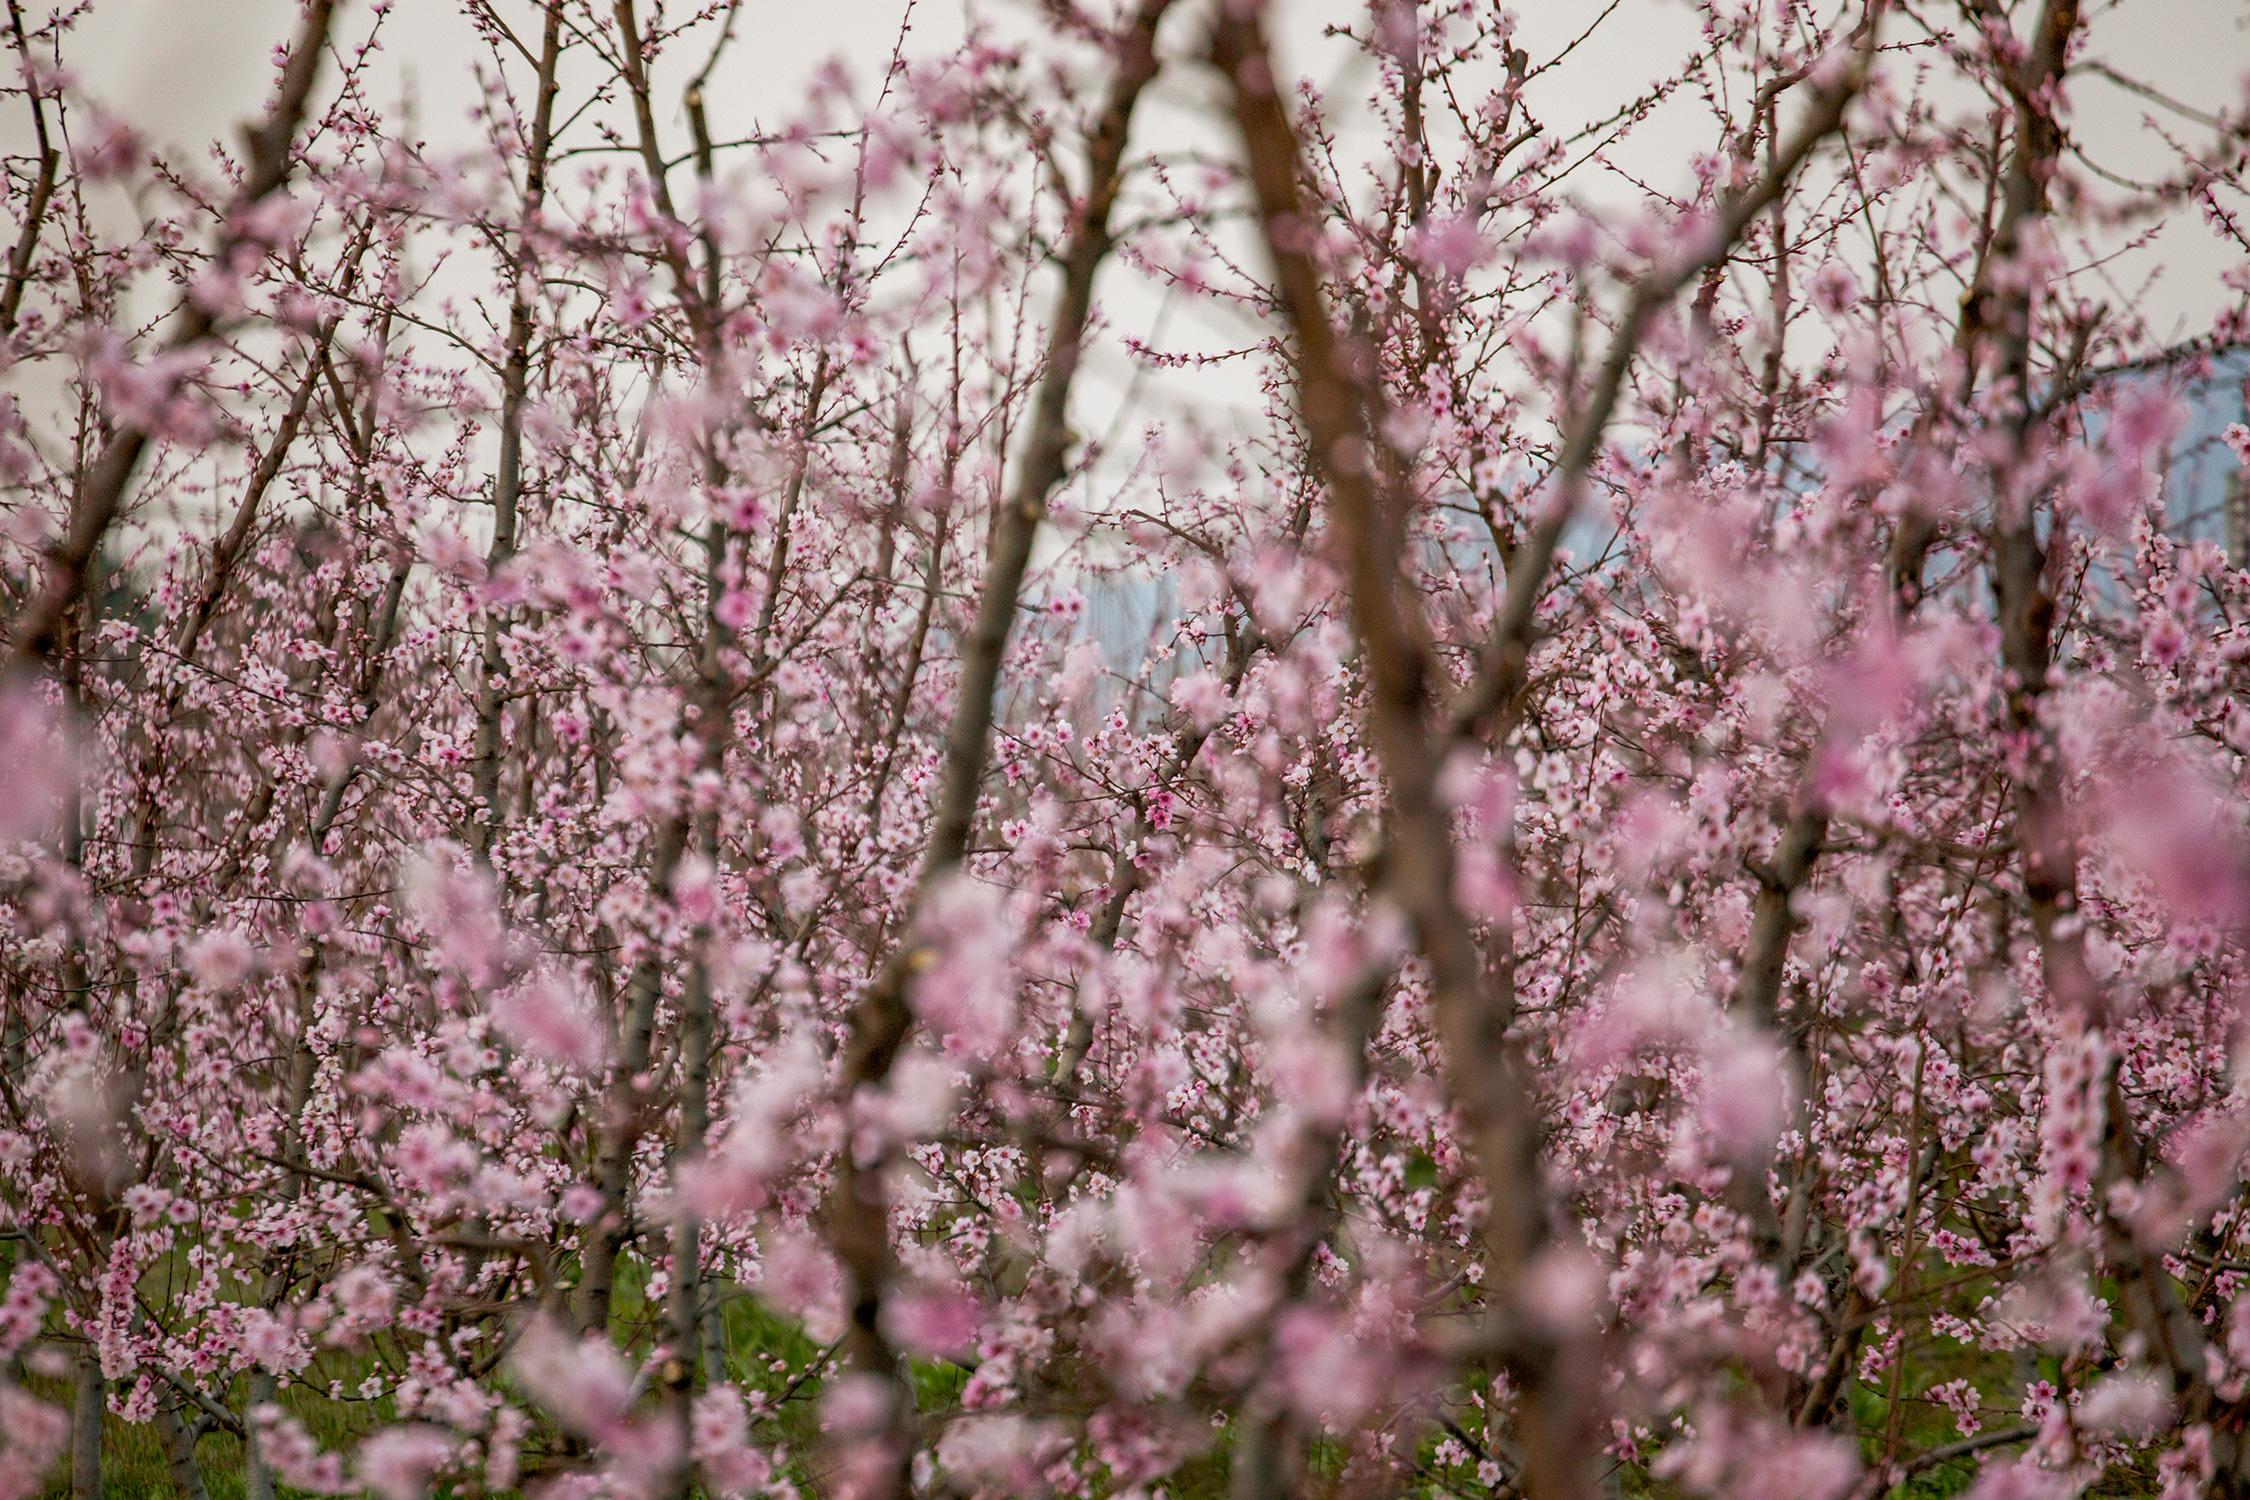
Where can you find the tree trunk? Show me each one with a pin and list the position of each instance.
(257, 1475)
(89, 1401)
(179, 1455)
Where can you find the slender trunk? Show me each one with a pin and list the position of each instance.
(507, 481)
(89, 1402)
(685, 1322)
(1556, 1421)
(1126, 876)
(2046, 841)
(621, 1132)
(179, 1439)
(628, 1105)
(859, 1207)
(102, 493)
(902, 693)
(1555, 1431)
(792, 494)
(257, 1474)
(42, 186)
(1270, 1445)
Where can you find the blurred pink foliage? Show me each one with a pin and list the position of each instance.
(1654, 880)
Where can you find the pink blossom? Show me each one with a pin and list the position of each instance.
(294, 1454)
(581, 1381)
(966, 992)
(1008, 1452)
(933, 1323)
(36, 762)
(220, 959)
(549, 1016)
(1745, 1097)
(1450, 247)
(399, 1463)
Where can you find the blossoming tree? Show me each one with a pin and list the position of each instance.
(586, 910)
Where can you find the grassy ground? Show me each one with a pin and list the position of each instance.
(763, 1354)
(769, 1355)
(133, 1466)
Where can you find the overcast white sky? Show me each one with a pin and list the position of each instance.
(187, 71)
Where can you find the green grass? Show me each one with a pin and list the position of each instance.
(133, 1463)
(766, 1353)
